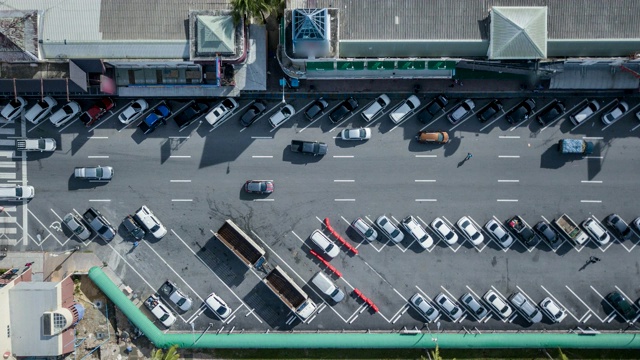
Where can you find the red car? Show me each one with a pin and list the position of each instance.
(96, 111)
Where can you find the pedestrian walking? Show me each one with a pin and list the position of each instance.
(135, 244)
(596, 259)
(468, 156)
(29, 264)
(593, 259)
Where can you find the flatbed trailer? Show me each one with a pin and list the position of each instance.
(236, 240)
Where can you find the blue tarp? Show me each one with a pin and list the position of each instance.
(572, 146)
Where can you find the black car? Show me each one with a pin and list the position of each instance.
(344, 109)
(133, 228)
(435, 106)
(186, 117)
(489, 111)
(316, 108)
(622, 305)
(521, 112)
(548, 234)
(253, 113)
(618, 225)
(309, 147)
(552, 112)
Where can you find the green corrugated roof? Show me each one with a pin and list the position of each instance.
(216, 34)
(518, 32)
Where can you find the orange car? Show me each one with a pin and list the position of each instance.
(437, 137)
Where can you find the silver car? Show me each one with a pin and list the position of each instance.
(424, 308)
(75, 224)
(389, 229)
(461, 111)
(41, 109)
(451, 309)
(526, 307)
(364, 229)
(470, 302)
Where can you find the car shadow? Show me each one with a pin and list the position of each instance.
(79, 184)
(298, 158)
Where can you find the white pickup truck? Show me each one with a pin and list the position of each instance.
(160, 310)
(171, 290)
(36, 145)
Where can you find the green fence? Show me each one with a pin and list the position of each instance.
(356, 340)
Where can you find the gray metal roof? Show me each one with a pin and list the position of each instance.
(596, 75)
(518, 32)
(467, 19)
(27, 302)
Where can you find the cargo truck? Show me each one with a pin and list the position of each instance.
(571, 229)
(575, 146)
(291, 294)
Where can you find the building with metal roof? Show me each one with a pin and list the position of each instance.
(39, 317)
(428, 39)
(140, 45)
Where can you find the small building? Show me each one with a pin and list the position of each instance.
(39, 317)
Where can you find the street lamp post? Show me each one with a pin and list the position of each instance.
(283, 81)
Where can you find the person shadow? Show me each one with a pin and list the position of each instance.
(586, 264)
(463, 161)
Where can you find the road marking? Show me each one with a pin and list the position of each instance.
(98, 156)
(7, 175)
(591, 201)
(344, 199)
(508, 181)
(592, 138)
(508, 137)
(430, 181)
(179, 137)
(263, 199)
(180, 181)
(422, 200)
(507, 200)
(100, 200)
(180, 156)
(591, 181)
(509, 156)
(426, 156)
(98, 137)
(262, 137)
(349, 181)
(593, 157)
(262, 156)
(181, 200)
(342, 156)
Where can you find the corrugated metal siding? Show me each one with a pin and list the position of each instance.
(115, 50)
(151, 20)
(463, 19)
(71, 20)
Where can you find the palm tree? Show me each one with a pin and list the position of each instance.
(253, 8)
(171, 354)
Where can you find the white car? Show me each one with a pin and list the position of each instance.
(461, 111)
(526, 307)
(596, 231)
(13, 108)
(499, 233)
(364, 229)
(585, 113)
(218, 306)
(500, 306)
(356, 134)
(427, 310)
(470, 230)
(132, 112)
(406, 108)
(150, 222)
(413, 227)
(221, 111)
(553, 310)
(391, 230)
(443, 229)
(452, 310)
(375, 108)
(282, 115)
(616, 113)
(181, 300)
(41, 109)
(65, 113)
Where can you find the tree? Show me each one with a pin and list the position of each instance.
(243, 9)
(171, 354)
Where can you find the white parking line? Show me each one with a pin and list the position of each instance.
(98, 156)
(508, 181)
(426, 200)
(261, 156)
(593, 157)
(508, 137)
(180, 156)
(257, 200)
(344, 199)
(507, 200)
(591, 201)
(180, 181)
(99, 200)
(592, 138)
(583, 303)
(426, 156)
(425, 181)
(591, 181)
(343, 156)
(181, 200)
(345, 181)
(509, 156)
(98, 137)
(262, 137)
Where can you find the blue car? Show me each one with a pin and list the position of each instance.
(156, 118)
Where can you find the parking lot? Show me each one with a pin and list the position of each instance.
(192, 179)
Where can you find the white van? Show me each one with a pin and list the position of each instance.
(16, 192)
(322, 282)
(324, 243)
(375, 107)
